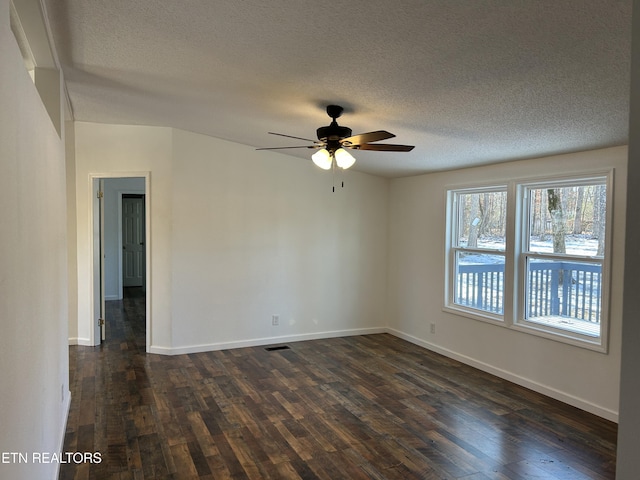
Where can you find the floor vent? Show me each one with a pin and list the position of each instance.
(273, 349)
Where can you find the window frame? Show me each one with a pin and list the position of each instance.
(453, 248)
(524, 254)
(516, 255)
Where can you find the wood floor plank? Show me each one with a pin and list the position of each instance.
(362, 407)
(183, 461)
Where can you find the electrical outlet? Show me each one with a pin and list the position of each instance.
(275, 320)
(433, 328)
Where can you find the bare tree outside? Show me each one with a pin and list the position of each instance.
(558, 223)
(481, 219)
(577, 218)
(474, 221)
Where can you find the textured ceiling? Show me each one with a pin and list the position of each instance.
(467, 81)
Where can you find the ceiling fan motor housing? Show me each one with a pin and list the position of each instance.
(333, 132)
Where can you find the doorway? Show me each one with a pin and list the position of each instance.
(133, 263)
(121, 248)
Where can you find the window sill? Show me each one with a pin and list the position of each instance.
(563, 336)
(575, 339)
(475, 314)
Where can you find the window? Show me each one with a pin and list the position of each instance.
(532, 256)
(563, 255)
(478, 250)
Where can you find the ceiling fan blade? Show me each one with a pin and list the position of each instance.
(290, 136)
(384, 147)
(368, 137)
(297, 146)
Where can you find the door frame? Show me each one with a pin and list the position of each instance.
(94, 276)
(97, 247)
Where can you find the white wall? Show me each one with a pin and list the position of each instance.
(34, 386)
(575, 375)
(238, 236)
(259, 233)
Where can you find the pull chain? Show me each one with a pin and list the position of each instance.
(333, 174)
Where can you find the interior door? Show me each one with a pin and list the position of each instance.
(133, 234)
(98, 262)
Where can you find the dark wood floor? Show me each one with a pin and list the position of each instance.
(366, 407)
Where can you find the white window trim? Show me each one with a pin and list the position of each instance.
(450, 275)
(515, 255)
(520, 323)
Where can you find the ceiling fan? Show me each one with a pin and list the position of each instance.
(334, 141)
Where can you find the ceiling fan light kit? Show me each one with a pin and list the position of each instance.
(343, 158)
(322, 158)
(334, 140)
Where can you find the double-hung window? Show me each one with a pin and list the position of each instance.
(533, 256)
(477, 252)
(562, 257)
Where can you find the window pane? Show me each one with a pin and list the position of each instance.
(568, 220)
(481, 219)
(479, 281)
(564, 295)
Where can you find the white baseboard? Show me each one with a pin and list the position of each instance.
(524, 382)
(66, 406)
(85, 342)
(256, 342)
